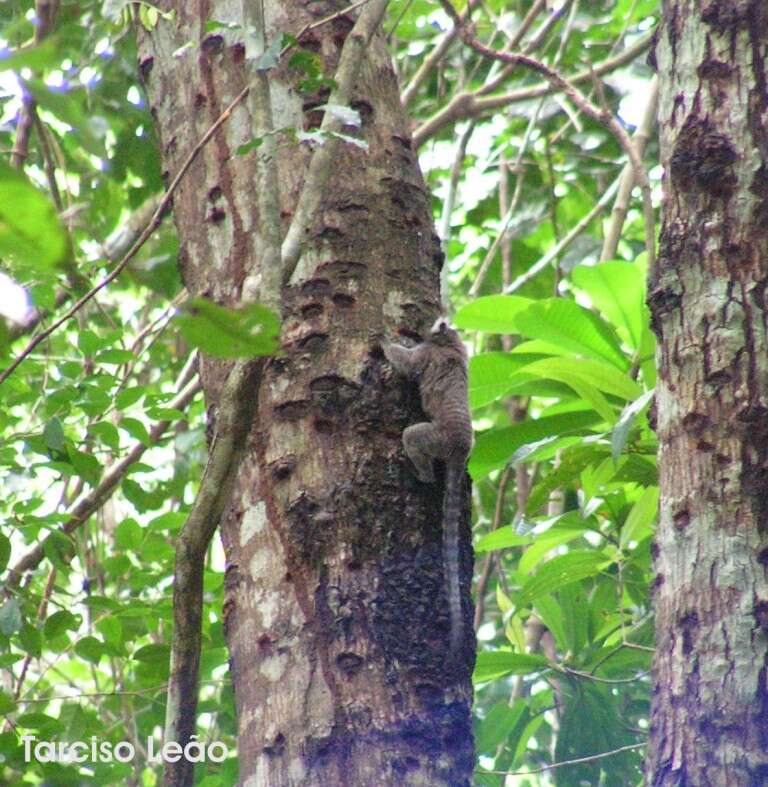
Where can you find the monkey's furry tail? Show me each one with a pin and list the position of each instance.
(454, 485)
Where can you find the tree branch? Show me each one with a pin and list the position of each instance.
(602, 116)
(234, 418)
(468, 105)
(320, 164)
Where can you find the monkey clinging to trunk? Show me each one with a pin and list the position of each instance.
(439, 364)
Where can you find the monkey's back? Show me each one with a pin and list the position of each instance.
(443, 388)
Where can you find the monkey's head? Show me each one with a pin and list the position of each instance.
(444, 335)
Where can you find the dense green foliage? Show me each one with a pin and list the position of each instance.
(561, 381)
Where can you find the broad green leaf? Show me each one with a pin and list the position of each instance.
(580, 371)
(10, 617)
(576, 329)
(157, 653)
(626, 421)
(229, 333)
(59, 623)
(568, 527)
(43, 55)
(128, 534)
(551, 614)
(135, 429)
(496, 664)
(498, 723)
(492, 313)
(561, 570)
(641, 517)
(53, 435)
(617, 289)
(30, 232)
(502, 538)
(494, 448)
(90, 649)
(491, 375)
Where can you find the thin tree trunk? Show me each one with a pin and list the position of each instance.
(335, 613)
(710, 704)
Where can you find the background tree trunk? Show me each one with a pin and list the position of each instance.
(335, 614)
(710, 706)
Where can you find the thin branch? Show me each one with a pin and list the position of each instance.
(85, 506)
(627, 178)
(566, 241)
(433, 58)
(45, 14)
(320, 165)
(157, 217)
(602, 116)
(466, 105)
(445, 224)
(485, 573)
(564, 763)
(235, 415)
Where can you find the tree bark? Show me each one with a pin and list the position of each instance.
(335, 612)
(709, 721)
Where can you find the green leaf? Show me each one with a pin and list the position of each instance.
(7, 704)
(10, 617)
(31, 640)
(492, 374)
(492, 313)
(30, 232)
(153, 653)
(497, 725)
(559, 571)
(626, 421)
(566, 528)
(493, 448)
(129, 396)
(59, 623)
(496, 664)
(568, 325)
(639, 521)
(53, 435)
(67, 107)
(5, 551)
(128, 534)
(502, 538)
(38, 57)
(617, 289)
(582, 371)
(135, 429)
(229, 333)
(90, 649)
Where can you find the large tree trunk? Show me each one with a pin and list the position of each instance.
(710, 706)
(335, 614)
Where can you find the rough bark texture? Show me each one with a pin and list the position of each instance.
(708, 298)
(335, 612)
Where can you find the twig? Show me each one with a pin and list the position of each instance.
(485, 573)
(467, 105)
(627, 178)
(445, 223)
(564, 763)
(602, 116)
(566, 241)
(320, 164)
(45, 13)
(432, 59)
(138, 243)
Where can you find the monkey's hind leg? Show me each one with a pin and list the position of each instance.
(422, 444)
